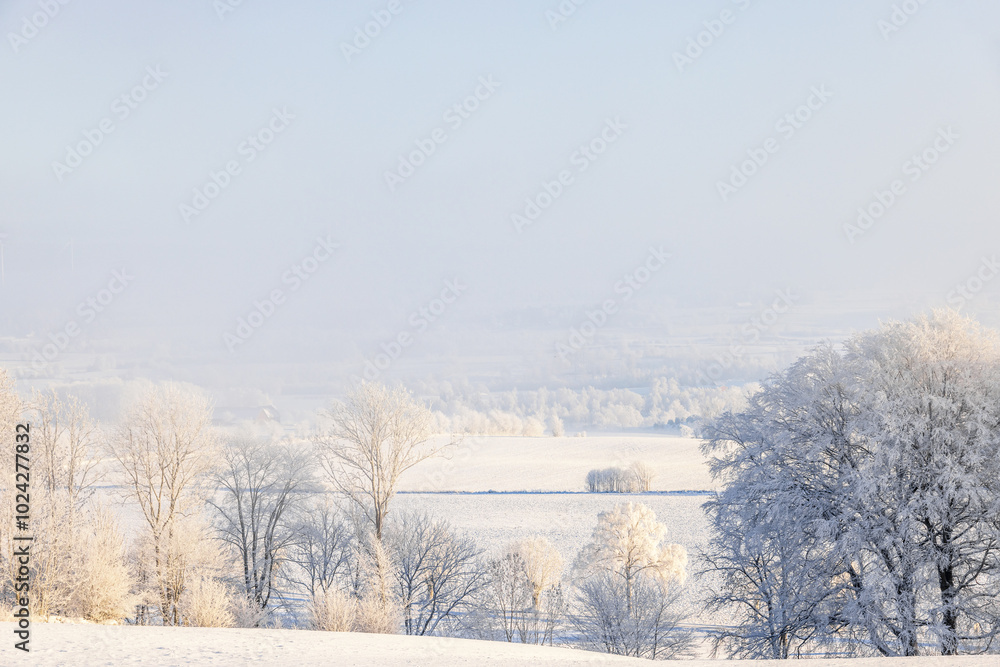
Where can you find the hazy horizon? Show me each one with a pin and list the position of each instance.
(184, 86)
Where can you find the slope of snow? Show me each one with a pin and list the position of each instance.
(114, 646)
(517, 463)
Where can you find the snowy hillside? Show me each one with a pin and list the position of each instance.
(111, 646)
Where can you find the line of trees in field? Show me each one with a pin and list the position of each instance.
(637, 478)
(241, 529)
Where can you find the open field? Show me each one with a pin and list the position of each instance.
(510, 463)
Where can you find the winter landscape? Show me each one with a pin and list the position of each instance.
(388, 333)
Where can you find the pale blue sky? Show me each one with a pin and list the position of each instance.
(324, 174)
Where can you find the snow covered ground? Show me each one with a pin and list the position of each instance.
(513, 463)
(113, 646)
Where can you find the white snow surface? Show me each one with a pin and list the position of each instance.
(518, 463)
(57, 644)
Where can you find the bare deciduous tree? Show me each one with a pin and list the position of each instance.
(507, 595)
(321, 551)
(643, 622)
(65, 467)
(378, 434)
(258, 484)
(164, 447)
(437, 571)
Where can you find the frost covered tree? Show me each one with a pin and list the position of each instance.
(863, 496)
(522, 599)
(543, 564)
(628, 542)
(64, 468)
(258, 483)
(378, 433)
(165, 447)
(643, 476)
(642, 622)
(627, 577)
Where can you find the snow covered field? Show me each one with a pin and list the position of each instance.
(58, 645)
(509, 463)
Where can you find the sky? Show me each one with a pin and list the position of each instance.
(626, 124)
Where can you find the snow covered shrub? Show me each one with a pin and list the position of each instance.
(376, 616)
(378, 609)
(207, 603)
(532, 427)
(333, 611)
(103, 591)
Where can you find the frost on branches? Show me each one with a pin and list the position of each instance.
(862, 508)
(627, 578)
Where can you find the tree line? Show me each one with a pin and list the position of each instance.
(242, 529)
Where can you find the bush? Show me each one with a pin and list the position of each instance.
(332, 611)
(104, 589)
(208, 603)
